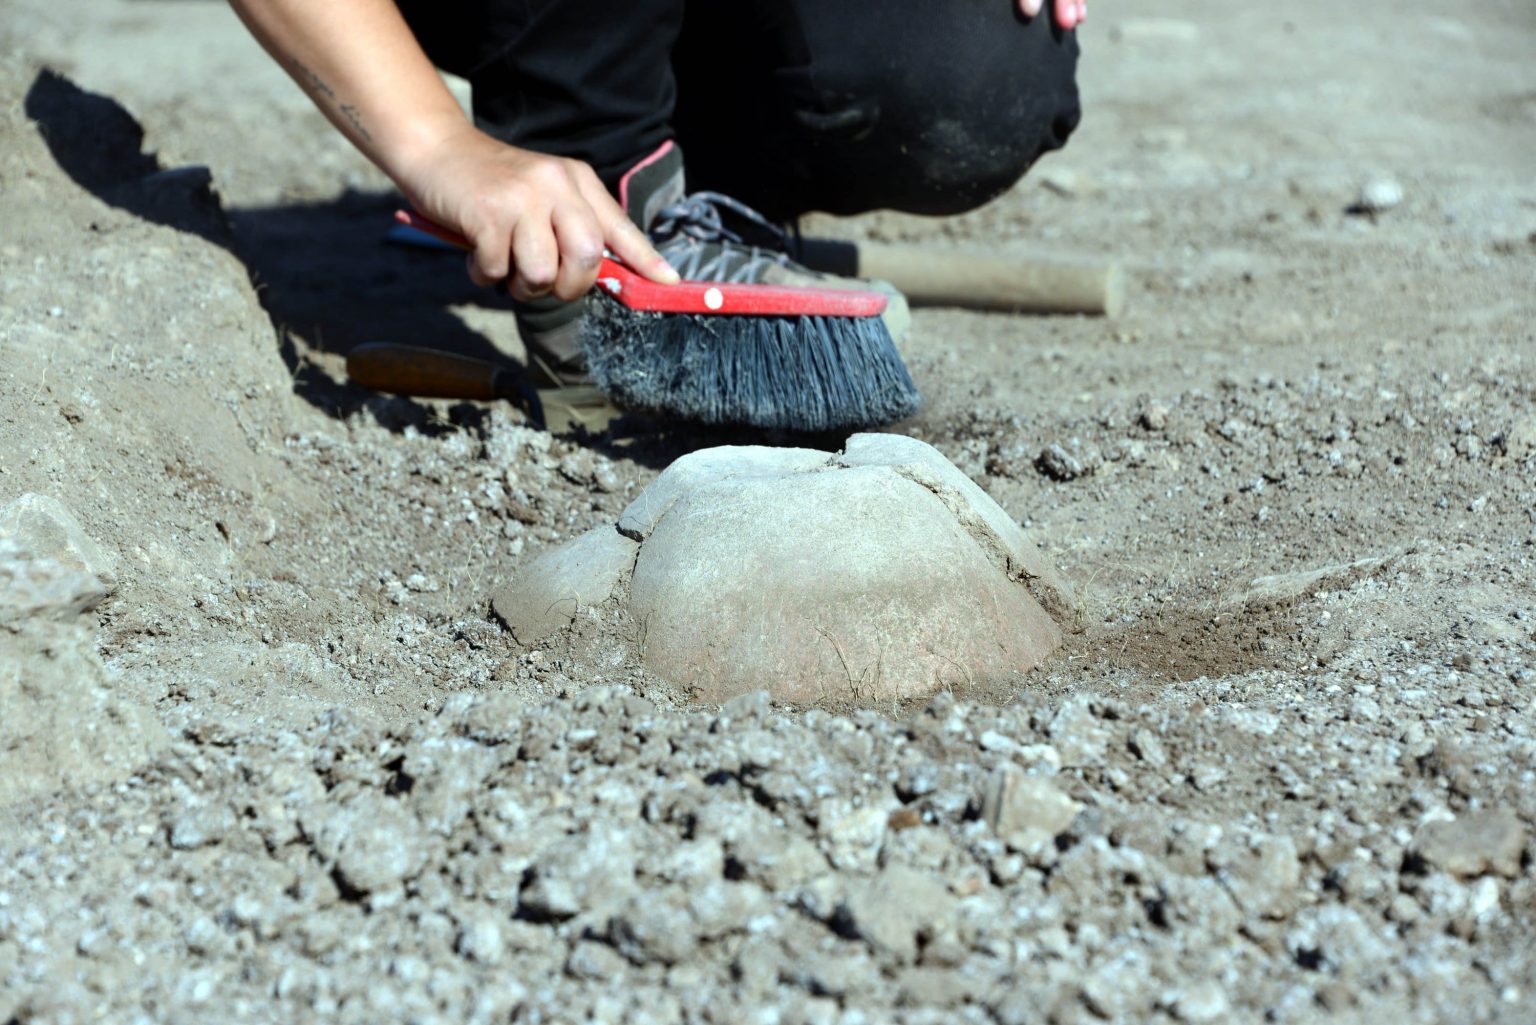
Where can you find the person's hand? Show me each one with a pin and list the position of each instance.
(536, 222)
(1068, 13)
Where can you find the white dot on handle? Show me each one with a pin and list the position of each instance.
(713, 299)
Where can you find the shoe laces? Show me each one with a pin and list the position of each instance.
(694, 238)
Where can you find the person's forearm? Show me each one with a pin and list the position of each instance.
(537, 223)
(359, 62)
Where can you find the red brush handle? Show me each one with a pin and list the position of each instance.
(703, 297)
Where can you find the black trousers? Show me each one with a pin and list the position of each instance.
(927, 106)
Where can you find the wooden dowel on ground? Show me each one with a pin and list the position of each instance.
(944, 277)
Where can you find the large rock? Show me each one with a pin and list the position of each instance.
(876, 573)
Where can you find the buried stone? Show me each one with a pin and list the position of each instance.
(876, 573)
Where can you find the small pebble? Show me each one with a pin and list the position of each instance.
(1057, 464)
(1378, 195)
(1155, 417)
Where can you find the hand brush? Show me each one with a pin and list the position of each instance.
(769, 356)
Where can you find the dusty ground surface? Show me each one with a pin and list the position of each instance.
(290, 768)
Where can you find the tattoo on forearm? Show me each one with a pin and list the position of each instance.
(315, 83)
(317, 87)
(350, 113)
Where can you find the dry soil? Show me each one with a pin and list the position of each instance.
(290, 767)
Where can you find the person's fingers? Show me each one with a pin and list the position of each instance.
(620, 235)
(1068, 13)
(490, 260)
(535, 257)
(581, 250)
(475, 274)
(631, 246)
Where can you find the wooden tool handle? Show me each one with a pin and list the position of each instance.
(429, 373)
(944, 277)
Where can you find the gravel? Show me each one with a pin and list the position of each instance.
(290, 766)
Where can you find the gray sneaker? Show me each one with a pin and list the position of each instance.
(707, 237)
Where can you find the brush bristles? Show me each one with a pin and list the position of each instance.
(783, 373)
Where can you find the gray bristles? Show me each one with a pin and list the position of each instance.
(783, 373)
